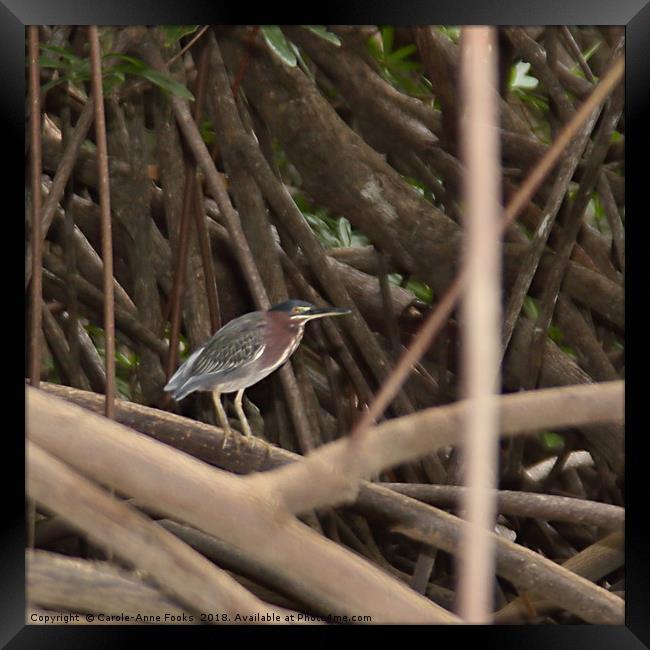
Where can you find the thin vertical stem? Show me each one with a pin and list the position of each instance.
(206, 256)
(392, 328)
(482, 317)
(179, 273)
(203, 67)
(105, 208)
(574, 49)
(191, 201)
(37, 248)
(70, 255)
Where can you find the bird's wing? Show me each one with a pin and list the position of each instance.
(238, 343)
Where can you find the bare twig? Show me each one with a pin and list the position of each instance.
(244, 61)
(613, 218)
(593, 563)
(215, 182)
(189, 196)
(335, 468)
(193, 579)
(482, 318)
(422, 572)
(191, 204)
(392, 328)
(529, 265)
(105, 203)
(65, 167)
(91, 363)
(335, 337)
(70, 255)
(259, 235)
(37, 246)
(528, 570)
(127, 320)
(523, 504)
(534, 53)
(61, 350)
(570, 406)
(36, 250)
(440, 66)
(206, 255)
(61, 582)
(88, 262)
(194, 39)
(574, 49)
(289, 215)
(582, 337)
(439, 316)
(222, 505)
(574, 220)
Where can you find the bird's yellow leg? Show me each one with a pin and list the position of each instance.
(240, 412)
(221, 414)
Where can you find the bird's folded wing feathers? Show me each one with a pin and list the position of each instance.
(228, 350)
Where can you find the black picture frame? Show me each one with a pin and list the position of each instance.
(634, 14)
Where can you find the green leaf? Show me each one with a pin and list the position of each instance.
(345, 232)
(452, 33)
(45, 61)
(406, 66)
(387, 38)
(374, 48)
(359, 239)
(402, 74)
(421, 291)
(551, 440)
(530, 307)
(321, 230)
(555, 334)
(207, 132)
(301, 61)
(174, 33)
(533, 99)
(568, 350)
(166, 83)
(64, 52)
(134, 66)
(402, 53)
(592, 50)
(112, 78)
(134, 61)
(55, 82)
(123, 388)
(124, 361)
(278, 43)
(320, 30)
(599, 210)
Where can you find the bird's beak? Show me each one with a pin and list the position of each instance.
(321, 312)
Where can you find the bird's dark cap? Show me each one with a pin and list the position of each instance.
(301, 311)
(288, 305)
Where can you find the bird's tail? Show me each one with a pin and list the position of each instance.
(181, 393)
(178, 383)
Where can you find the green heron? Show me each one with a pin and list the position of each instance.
(245, 351)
